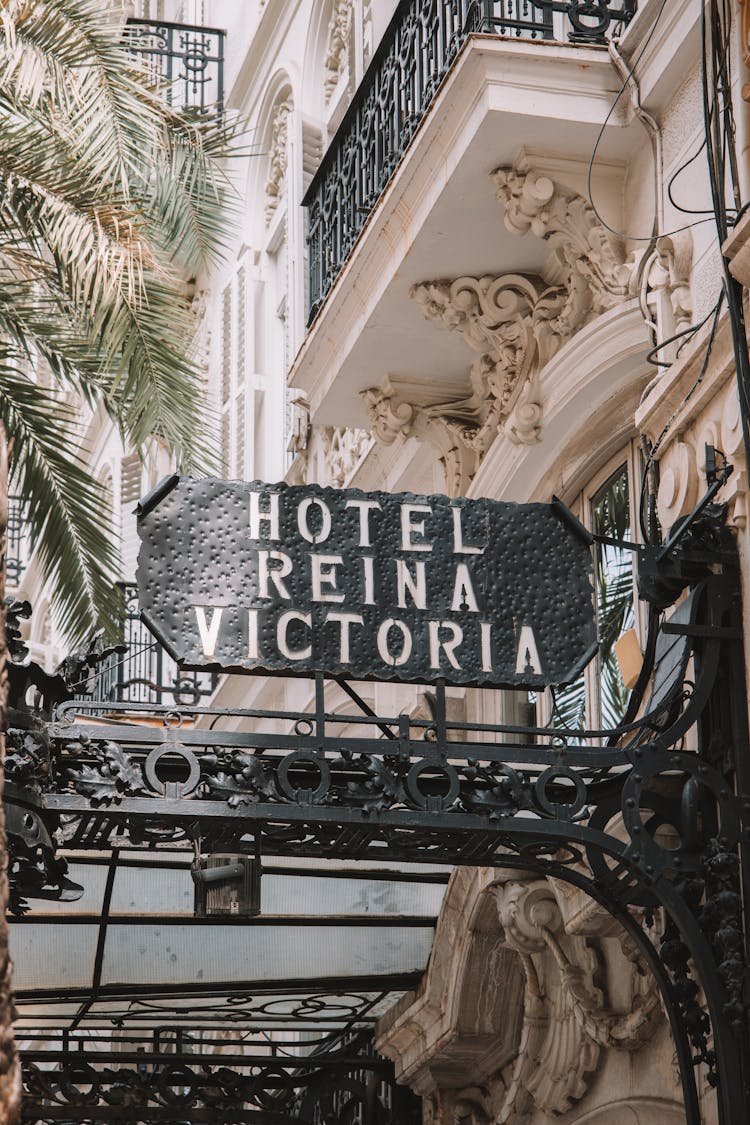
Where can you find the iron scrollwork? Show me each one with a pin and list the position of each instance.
(649, 818)
(186, 60)
(346, 1083)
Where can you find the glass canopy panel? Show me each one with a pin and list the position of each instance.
(149, 888)
(52, 957)
(186, 955)
(336, 944)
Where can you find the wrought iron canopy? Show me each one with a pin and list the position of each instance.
(653, 816)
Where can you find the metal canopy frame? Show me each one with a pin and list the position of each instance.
(652, 816)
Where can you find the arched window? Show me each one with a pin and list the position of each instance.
(608, 507)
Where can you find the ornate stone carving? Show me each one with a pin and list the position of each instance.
(337, 48)
(517, 324)
(589, 259)
(558, 1052)
(391, 417)
(670, 275)
(678, 485)
(277, 156)
(343, 449)
(548, 1019)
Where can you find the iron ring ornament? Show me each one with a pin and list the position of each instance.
(304, 793)
(433, 801)
(172, 751)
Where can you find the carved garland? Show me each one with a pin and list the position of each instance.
(277, 157)
(339, 31)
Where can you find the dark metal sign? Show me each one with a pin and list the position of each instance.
(303, 579)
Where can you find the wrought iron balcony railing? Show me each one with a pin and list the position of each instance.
(412, 59)
(187, 61)
(145, 673)
(16, 558)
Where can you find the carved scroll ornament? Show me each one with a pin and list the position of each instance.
(393, 417)
(589, 257)
(566, 1024)
(518, 322)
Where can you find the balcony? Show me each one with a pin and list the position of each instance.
(144, 673)
(186, 61)
(415, 55)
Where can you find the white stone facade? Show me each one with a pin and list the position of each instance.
(489, 335)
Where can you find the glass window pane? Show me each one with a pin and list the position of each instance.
(600, 701)
(614, 590)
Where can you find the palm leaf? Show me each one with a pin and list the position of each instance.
(63, 505)
(109, 201)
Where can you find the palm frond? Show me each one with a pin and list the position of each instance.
(63, 505)
(109, 201)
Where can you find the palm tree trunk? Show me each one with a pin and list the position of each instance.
(10, 1071)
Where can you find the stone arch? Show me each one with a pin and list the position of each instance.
(517, 1014)
(327, 51)
(635, 1111)
(267, 175)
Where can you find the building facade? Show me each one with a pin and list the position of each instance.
(476, 255)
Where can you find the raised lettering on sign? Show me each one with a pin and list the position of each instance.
(270, 578)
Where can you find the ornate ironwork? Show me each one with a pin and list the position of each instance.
(186, 61)
(415, 54)
(15, 550)
(142, 671)
(180, 1079)
(652, 814)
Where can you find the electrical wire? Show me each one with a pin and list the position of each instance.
(722, 165)
(630, 67)
(111, 667)
(651, 458)
(689, 332)
(686, 164)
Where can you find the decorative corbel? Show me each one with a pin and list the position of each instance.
(391, 417)
(588, 256)
(567, 1021)
(517, 324)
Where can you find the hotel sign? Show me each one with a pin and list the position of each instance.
(300, 579)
